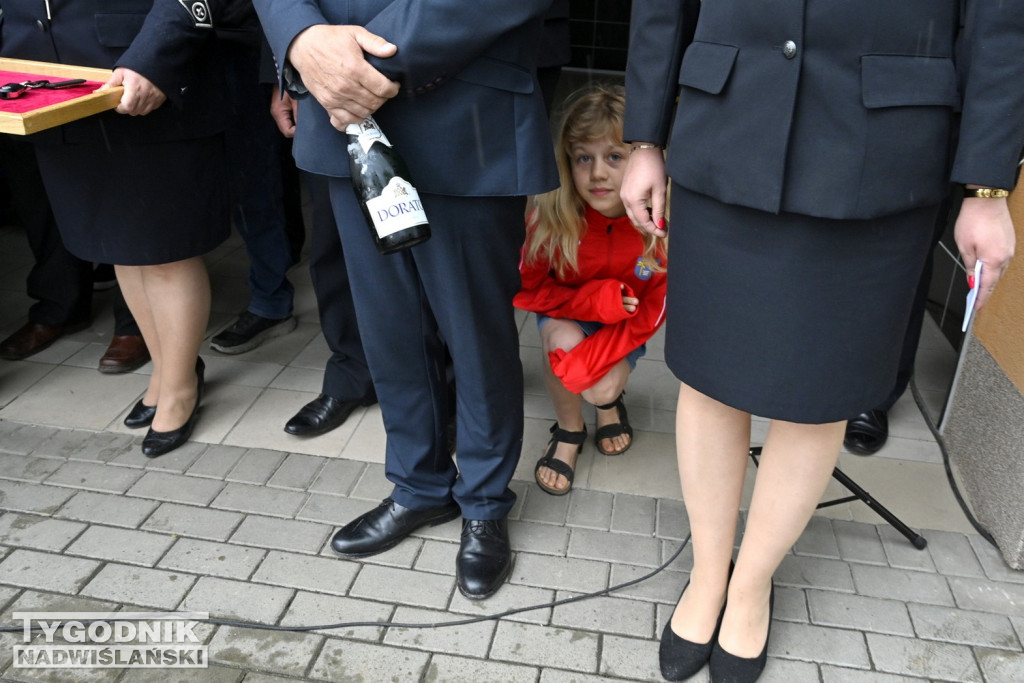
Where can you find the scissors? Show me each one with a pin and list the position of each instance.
(11, 91)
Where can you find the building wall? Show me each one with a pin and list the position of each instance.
(599, 31)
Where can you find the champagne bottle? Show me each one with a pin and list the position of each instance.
(380, 178)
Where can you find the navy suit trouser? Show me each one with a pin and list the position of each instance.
(456, 289)
(347, 376)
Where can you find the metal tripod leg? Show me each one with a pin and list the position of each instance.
(915, 538)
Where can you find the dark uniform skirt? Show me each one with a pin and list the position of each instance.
(788, 316)
(138, 204)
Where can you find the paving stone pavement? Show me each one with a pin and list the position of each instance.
(88, 524)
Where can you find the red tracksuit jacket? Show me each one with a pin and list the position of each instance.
(609, 257)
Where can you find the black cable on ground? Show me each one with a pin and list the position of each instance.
(945, 461)
(437, 624)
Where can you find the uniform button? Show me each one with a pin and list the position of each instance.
(789, 49)
(41, 25)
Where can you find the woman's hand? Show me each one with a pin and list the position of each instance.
(644, 187)
(140, 96)
(984, 231)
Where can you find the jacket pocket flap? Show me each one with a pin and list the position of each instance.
(906, 81)
(118, 30)
(706, 66)
(495, 74)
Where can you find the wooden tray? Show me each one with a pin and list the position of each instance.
(45, 117)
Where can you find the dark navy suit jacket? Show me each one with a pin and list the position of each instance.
(469, 119)
(836, 109)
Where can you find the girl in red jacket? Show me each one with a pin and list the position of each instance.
(596, 283)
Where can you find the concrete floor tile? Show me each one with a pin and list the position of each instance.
(39, 498)
(546, 646)
(281, 534)
(18, 377)
(139, 586)
(306, 380)
(1000, 665)
(190, 520)
(224, 406)
(604, 614)
(471, 640)
(316, 609)
(121, 545)
(261, 425)
(964, 627)
(368, 439)
(912, 657)
(27, 468)
(229, 599)
(317, 574)
(38, 533)
(212, 559)
(509, 597)
(240, 370)
(340, 659)
(279, 652)
(465, 670)
(76, 398)
(648, 469)
(629, 657)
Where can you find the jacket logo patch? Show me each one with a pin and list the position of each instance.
(642, 271)
(199, 10)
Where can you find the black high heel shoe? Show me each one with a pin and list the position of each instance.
(680, 658)
(728, 668)
(157, 443)
(140, 415)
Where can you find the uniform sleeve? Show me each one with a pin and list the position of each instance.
(437, 39)
(659, 32)
(598, 300)
(991, 65)
(172, 36)
(592, 358)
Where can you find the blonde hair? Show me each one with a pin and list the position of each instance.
(556, 225)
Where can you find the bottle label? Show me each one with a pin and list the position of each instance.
(367, 132)
(398, 207)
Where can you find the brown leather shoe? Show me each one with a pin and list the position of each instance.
(125, 353)
(33, 338)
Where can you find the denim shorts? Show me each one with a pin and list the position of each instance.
(590, 328)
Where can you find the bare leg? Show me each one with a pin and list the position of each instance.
(795, 467)
(561, 334)
(604, 392)
(178, 298)
(713, 442)
(129, 278)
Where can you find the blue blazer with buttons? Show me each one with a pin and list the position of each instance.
(837, 109)
(469, 120)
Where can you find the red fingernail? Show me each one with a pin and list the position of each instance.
(970, 282)
(661, 223)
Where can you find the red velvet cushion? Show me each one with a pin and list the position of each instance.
(37, 98)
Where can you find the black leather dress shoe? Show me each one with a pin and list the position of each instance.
(323, 414)
(140, 415)
(157, 443)
(867, 433)
(385, 526)
(484, 559)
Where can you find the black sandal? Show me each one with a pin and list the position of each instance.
(610, 431)
(559, 435)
